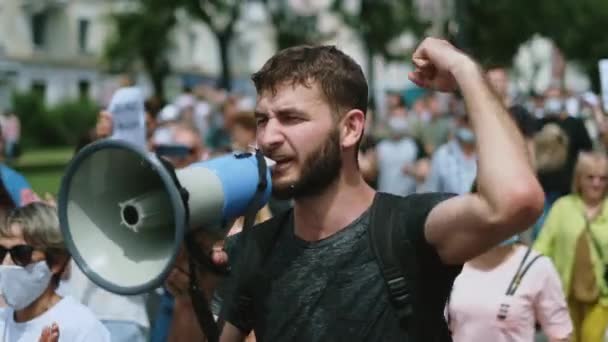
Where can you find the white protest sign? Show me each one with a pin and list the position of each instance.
(604, 82)
(128, 116)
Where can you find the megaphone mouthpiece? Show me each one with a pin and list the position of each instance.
(270, 163)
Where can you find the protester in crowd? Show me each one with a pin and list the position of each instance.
(11, 131)
(436, 131)
(557, 179)
(514, 287)
(311, 114)
(575, 237)
(501, 294)
(34, 257)
(15, 183)
(396, 158)
(218, 138)
(454, 164)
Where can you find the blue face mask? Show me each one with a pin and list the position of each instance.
(510, 241)
(465, 135)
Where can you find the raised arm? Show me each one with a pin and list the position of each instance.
(509, 197)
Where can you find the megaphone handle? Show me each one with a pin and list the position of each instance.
(199, 302)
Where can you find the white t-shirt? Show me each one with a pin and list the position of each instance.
(393, 155)
(76, 323)
(105, 305)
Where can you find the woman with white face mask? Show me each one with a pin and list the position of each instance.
(33, 258)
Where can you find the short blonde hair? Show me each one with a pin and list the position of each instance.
(584, 162)
(39, 225)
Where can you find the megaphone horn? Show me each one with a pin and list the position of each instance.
(123, 215)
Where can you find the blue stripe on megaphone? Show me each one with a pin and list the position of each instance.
(239, 179)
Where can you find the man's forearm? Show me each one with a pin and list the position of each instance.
(504, 169)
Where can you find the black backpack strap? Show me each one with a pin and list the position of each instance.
(394, 256)
(396, 231)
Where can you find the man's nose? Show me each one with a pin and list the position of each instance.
(270, 136)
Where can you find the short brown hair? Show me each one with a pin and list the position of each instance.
(340, 78)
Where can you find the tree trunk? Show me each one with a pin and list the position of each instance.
(158, 86)
(225, 76)
(157, 71)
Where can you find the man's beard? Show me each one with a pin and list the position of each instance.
(320, 169)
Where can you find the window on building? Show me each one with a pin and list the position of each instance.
(39, 88)
(84, 87)
(39, 23)
(83, 34)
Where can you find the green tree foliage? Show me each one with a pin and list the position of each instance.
(143, 36)
(577, 27)
(60, 125)
(293, 29)
(493, 30)
(221, 17)
(381, 21)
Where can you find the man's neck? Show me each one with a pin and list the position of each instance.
(321, 216)
(41, 305)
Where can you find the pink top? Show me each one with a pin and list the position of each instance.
(478, 295)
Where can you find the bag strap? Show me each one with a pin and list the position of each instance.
(521, 272)
(398, 272)
(596, 244)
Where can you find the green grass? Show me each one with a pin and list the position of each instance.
(45, 157)
(44, 167)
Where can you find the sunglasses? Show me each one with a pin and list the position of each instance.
(174, 151)
(21, 254)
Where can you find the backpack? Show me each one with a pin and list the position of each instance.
(394, 253)
(551, 145)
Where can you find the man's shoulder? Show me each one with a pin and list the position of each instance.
(413, 209)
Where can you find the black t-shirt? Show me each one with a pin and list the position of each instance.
(560, 181)
(332, 289)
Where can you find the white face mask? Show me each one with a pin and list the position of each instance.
(554, 105)
(20, 286)
(398, 125)
(465, 135)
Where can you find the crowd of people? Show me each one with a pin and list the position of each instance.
(549, 274)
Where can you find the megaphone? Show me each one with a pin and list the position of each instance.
(123, 216)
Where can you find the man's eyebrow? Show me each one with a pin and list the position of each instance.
(290, 111)
(259, 114)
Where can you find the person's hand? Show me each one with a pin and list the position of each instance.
(178, 281)
(50, 334)
(435, 61)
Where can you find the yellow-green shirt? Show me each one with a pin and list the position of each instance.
(559, 234)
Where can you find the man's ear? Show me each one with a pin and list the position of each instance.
(352, 127)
